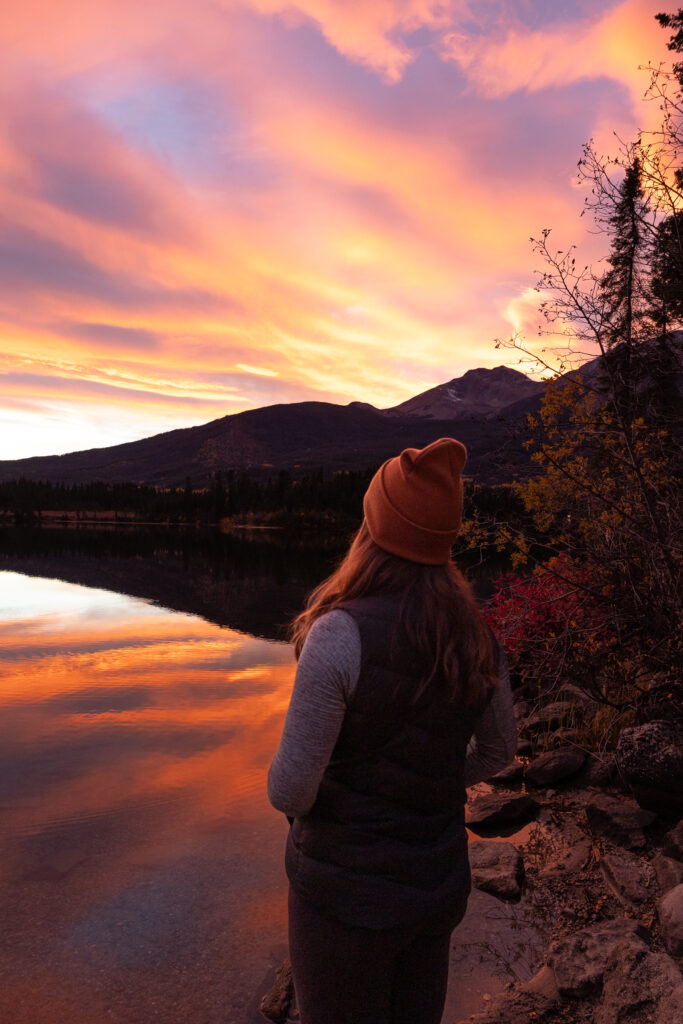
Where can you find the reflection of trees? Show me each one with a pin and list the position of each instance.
(254, 586)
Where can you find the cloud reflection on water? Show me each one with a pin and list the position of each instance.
(99, 712)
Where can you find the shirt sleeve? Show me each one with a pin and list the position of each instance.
(326, 676)
(494, 741)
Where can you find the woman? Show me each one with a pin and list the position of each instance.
(397, 672)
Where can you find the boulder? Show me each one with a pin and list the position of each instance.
(513, 773)
(650, 760)
(640, 987)
(494, 810)
(670, 1008)
(663, 702)
(673, 842)
(554, 766)
(497, 868)
(601, 770)
(568, 860)
(570, 692)
(517, 1005)
(618, 819)
(670, 909)
(277, 1002)
(550, 716)
(520, 710)
(563, 738)
(669, 872)
(628, 877)
(579, 960)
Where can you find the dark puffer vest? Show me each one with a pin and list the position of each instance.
(385, 842)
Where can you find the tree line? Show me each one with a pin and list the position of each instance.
(229, 494)
(280, 500)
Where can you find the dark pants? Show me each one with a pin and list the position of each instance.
(348, 975)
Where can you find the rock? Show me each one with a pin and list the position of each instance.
(670, 1008)
(663, 702)
(554, 765)
(568, 861)
(579, 960)
(497, 868)
(627, 876)
(670, 909)
(620, 820)
(640, 987)
(575, 695)
(551, 716)
(601, 771)
(514, 1007)
(520, 710)
(673, 842)
(669, 872)
(277, 1001)
(513, 773)
(544, 983)
(494, 810)
(563, 738)
(650, 759)
(524, 746)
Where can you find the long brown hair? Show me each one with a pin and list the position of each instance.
(437, 612)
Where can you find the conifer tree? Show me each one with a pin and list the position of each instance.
(675, 22)
(667, 274)
(622, 289)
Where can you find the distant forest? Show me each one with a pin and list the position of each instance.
(315, 498)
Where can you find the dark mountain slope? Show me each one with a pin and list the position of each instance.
(303, 436)
(298, 438)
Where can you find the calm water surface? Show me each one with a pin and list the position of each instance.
(140, 863)
(141, 872)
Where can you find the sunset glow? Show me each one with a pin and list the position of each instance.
(214, 206)
(72, 662)
(136, 743)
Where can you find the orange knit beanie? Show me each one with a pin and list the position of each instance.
(413, 506)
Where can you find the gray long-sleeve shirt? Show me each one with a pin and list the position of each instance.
(326, 677)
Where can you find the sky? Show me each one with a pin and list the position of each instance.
(208, 206)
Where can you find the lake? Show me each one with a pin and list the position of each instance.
(144, 678)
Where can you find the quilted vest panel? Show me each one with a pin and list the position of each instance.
(385, 842)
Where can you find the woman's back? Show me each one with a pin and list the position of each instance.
(385, 843)
(396, 670)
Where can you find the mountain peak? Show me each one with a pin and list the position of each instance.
(479, 393)
(496, 373)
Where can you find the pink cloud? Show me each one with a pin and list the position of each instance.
(610, 45)
(339, 194)
(370, 33)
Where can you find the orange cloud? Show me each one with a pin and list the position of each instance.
(610, 45)
(188, 234)
(367, 32)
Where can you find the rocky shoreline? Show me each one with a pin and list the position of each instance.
(603, 873)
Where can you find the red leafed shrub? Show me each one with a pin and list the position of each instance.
(549, 623)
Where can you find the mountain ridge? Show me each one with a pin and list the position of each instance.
(302, 436)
